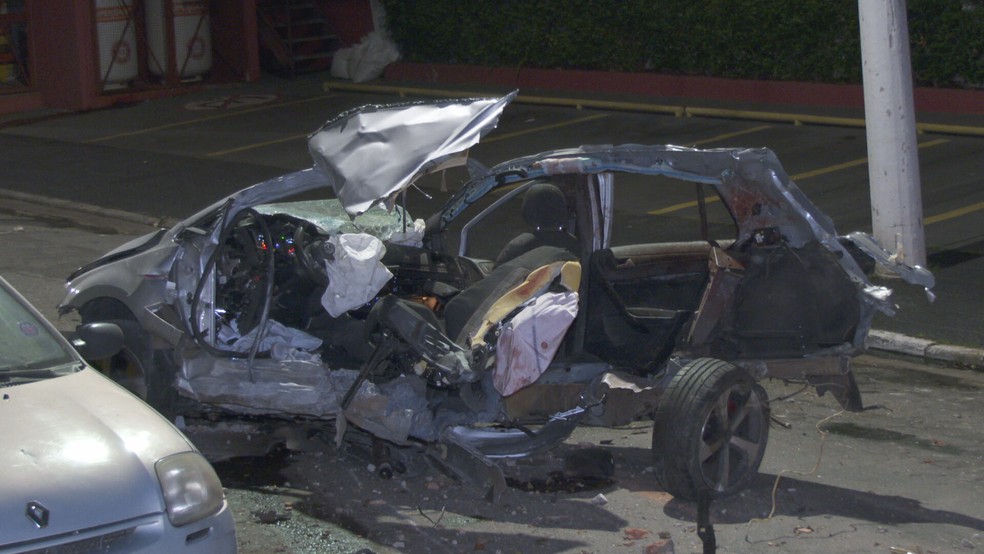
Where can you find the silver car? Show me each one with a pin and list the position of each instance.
(88, 467)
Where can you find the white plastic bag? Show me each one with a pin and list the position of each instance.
(340, 62)
(370, 57)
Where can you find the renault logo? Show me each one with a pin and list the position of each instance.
(38, 514)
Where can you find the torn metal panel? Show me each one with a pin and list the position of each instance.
(469, 465)
(835, 361)
(516, 443)
(718, 296)
(625, 398)
(752, 181)
(752, 178)
(844, 388)
(278, 387)
(159, 324)
(396, 410)
(373, 152)
(915, 275)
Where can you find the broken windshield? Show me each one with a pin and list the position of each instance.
(331, 218)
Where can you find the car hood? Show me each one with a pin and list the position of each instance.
(372, 153)
(84, 449)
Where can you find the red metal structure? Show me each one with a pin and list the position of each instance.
(51, 55)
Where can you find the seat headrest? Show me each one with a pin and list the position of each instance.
(544, 207)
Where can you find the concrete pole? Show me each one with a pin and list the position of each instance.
(893, 156)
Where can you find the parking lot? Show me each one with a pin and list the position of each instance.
(906, 477)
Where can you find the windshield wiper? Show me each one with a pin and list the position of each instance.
(28, 373)
(46, 372)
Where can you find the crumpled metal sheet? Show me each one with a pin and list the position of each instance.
(916, 275)
(374, 152)
(277, 387)
(752, 182)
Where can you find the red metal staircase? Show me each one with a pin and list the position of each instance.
(295, 36)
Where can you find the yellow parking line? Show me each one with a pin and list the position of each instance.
(231, 113)
(852, 163)
(493, 139)
(954, 213)
(726, 136)
(544, 128)
(681, 206)
(829, 169)
(254, 145)
(643, 107)
(798, 177)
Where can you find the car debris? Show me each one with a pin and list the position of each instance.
(315, 297)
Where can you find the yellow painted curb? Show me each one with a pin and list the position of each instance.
(678, 111)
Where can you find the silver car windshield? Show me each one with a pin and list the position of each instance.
(27, 346)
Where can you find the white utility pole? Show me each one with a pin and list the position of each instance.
(893, 156)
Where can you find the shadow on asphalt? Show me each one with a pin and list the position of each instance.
(812, 499)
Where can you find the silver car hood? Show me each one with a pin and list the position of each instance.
(84, 449)
(372, 153)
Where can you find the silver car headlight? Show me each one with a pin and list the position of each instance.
(191, 488)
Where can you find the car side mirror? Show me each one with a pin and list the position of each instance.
(95, 341)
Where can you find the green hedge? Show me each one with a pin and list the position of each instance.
(800, 40)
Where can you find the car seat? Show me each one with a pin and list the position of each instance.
(448, 342)
(545, 210)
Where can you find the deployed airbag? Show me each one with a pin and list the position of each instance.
(356, 275)
(530, 340)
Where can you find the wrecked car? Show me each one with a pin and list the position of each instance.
(547, 292)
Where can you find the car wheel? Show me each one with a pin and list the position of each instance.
(139, 369)
(710, 430)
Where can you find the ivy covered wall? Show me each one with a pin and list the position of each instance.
(793, 40)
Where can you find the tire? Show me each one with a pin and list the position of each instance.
(710, 430)
(141, 370)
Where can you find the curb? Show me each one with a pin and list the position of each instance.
(645, 107)
(927, 350)
(83, 215)
(828, 95)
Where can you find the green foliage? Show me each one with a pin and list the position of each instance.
(947, 42)
(801, 40)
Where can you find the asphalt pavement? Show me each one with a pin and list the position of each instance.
(903, 476)
(90, 169)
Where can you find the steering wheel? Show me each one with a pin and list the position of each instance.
(311, 254)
